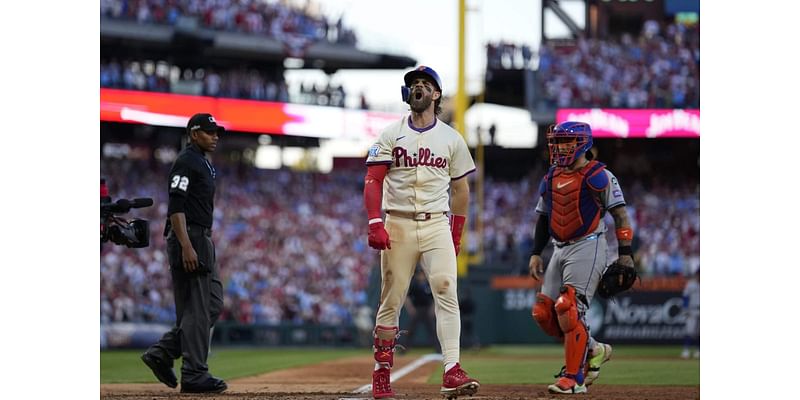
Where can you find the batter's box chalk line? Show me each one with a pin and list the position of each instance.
(404, 371)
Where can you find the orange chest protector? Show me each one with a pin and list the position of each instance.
(574, 200)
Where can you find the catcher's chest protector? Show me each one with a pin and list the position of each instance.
(575, 208)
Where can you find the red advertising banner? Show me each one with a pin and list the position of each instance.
(166, 109)
(635, 123)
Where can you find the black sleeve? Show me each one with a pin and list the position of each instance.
(180, 177)
(542, 234)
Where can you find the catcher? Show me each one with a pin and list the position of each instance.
(575, 194)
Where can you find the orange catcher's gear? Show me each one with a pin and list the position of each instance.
(576, 336)
(573, 196)
(544, 314)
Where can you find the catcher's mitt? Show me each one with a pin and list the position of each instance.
(616, 279)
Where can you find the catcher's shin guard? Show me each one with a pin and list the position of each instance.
(576, 337)
(544, 314)
(384, 342)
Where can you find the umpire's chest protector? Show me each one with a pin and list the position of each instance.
(574, 200)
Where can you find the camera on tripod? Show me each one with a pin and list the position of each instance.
(133, 233)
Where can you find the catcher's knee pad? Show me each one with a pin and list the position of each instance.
(567, 309)
(576, 336)
(544, 314)
(383, 345)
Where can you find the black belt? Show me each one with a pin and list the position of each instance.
(422, 216)
(191, 228)
(570, 242)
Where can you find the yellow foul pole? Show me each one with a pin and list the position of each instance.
(458, 114)
(461, 91)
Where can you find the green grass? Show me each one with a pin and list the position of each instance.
(630, 365)
(125, 366)
(558, 351)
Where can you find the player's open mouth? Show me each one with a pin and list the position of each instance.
(418, 95)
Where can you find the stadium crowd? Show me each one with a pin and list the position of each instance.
(666, 220)
(276, 19)
(291, 247)
(506, 55)
(660, 68)
(236, 83)
(160, 76)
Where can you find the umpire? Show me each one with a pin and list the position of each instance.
(192, 260)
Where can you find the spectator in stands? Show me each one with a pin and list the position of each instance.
(242, 83)
(292, 248)
(653, 70)
(288, 265)
(277, 19)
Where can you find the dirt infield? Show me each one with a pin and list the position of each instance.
(338, 379)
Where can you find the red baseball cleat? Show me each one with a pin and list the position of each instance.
(381, 385)
(456, 382)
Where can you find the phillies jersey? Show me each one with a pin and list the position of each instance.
(422, 162)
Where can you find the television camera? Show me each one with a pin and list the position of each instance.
(133, 233)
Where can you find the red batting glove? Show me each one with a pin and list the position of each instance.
(456, 228)
(378, 237)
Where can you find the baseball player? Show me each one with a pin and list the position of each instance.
(575, 194)
(409, 171)
(691, 307)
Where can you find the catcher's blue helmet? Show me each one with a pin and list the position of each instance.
(567, 141)
(421, 71)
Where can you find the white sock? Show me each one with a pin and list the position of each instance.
(593, 346)
(380, 365)
(449, 365)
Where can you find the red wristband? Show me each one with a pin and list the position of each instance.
(457, 224)
(624, 233)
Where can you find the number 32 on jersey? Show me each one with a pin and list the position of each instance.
(180, 182)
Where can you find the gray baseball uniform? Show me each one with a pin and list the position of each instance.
(692, 295)
(580, 262)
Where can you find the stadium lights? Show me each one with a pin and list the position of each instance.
(268, 157)
(293, 63)
(292, 156)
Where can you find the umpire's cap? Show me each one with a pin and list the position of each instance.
(424, 72)
(204, 122)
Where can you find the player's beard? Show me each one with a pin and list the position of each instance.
(422, 104)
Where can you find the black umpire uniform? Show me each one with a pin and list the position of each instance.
(198, 292)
